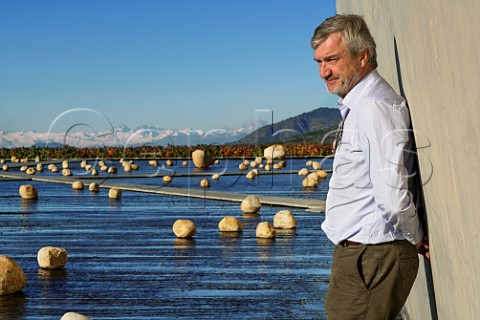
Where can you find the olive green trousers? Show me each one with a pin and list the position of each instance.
(371, 282)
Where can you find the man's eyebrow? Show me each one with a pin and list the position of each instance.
(335, 55)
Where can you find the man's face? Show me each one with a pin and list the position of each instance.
(340, 71)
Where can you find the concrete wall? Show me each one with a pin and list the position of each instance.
(439, 61)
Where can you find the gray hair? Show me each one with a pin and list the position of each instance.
(355, 34)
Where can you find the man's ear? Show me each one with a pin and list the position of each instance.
(363, 57)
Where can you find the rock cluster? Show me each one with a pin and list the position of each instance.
(311, 181)
(322, 174)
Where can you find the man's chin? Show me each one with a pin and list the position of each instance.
(335, 90)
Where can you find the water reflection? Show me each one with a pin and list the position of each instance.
(184, 255)
(229, 243)
(115, 203)
(251, 216)
(13, 306)
(250, 221)
(184, 243)
(229, 235)
(286, 233)
(50, 275)
(28, 204)
(264, 247)
(52, 284)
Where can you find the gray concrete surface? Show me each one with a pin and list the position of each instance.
(438, 67)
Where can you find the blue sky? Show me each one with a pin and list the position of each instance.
(172, 64)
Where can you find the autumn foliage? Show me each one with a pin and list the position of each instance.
(170, 151)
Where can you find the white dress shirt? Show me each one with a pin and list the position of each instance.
(368, 199)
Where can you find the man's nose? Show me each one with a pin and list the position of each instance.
(324, 70)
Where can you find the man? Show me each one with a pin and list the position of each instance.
(370, 215)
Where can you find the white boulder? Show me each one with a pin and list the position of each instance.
(265, 230)
(74, 316)
(184, 228)
(115, 193)
(27, 191)
(205, 183)
(251, 204)
(12, 277)
(77, 185)
(312, 180)
(52, 257)
(201, 159)
(303, 172)
(317, 165)
(284, 219)
(230, 224)
(94, 187)
(274, 152)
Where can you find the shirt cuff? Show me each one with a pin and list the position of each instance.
(415, 237)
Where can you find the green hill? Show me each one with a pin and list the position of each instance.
(317, 125)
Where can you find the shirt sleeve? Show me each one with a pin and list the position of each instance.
(388, 141)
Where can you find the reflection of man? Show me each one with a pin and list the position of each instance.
(370, 213)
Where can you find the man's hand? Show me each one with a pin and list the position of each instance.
(423, 248)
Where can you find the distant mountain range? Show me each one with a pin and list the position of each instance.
(311, 126)
(318, 125)
(124, 137)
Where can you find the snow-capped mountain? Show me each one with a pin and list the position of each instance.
(125, 137)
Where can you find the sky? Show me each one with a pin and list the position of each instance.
(165, 63)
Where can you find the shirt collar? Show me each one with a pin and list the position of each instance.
(349, 99)
(343, 108)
